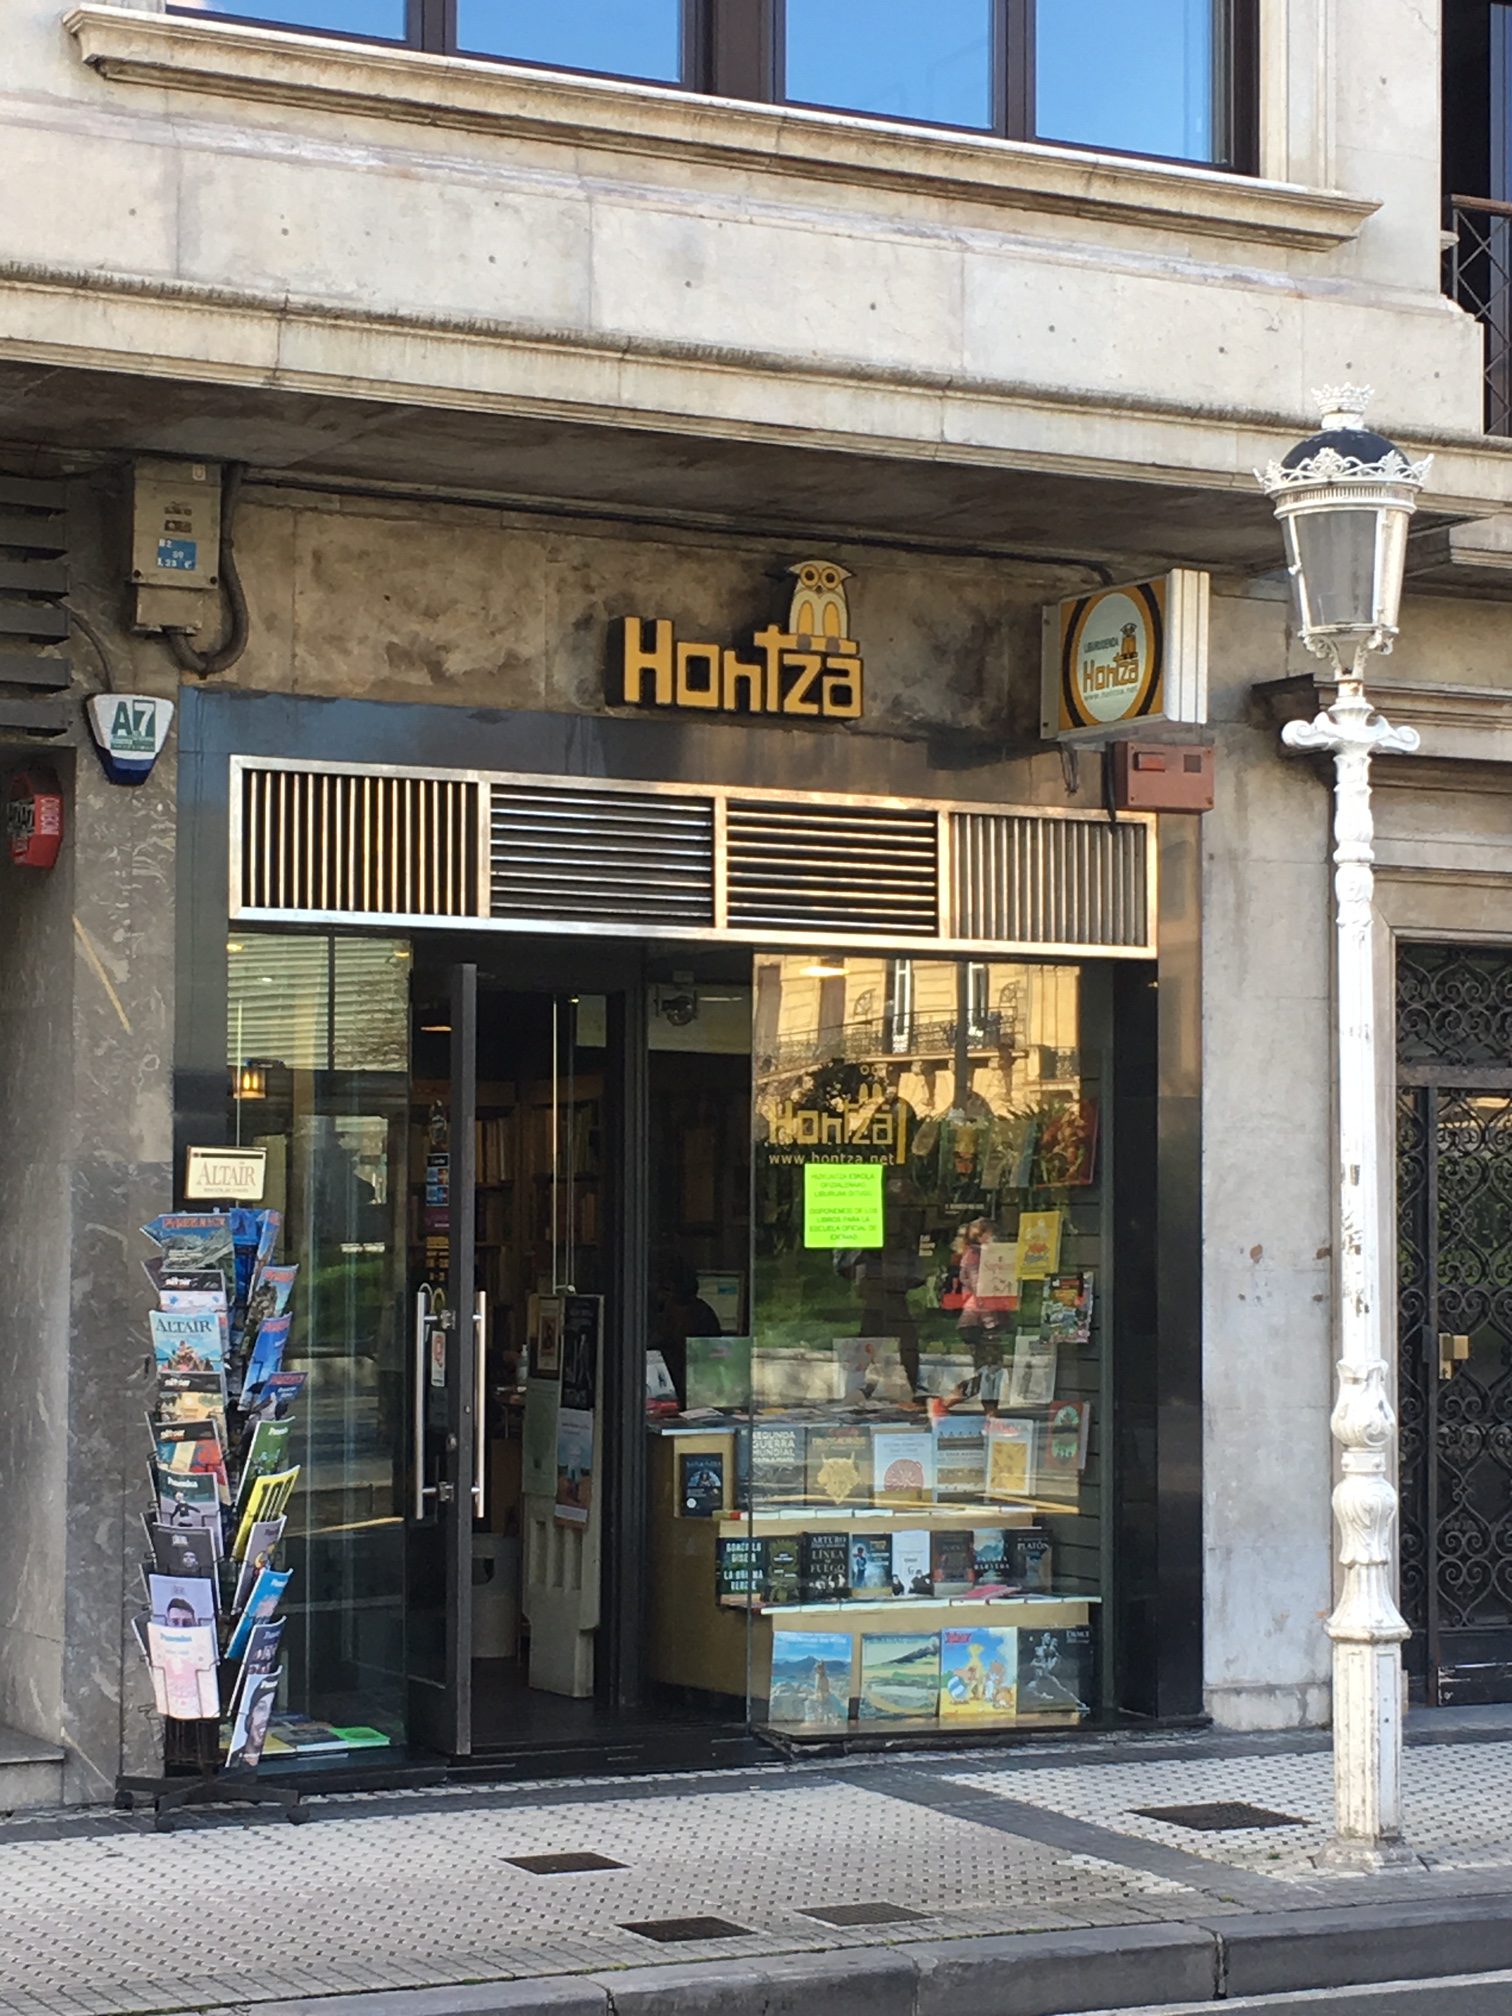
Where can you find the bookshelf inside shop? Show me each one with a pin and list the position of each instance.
(515, 1196)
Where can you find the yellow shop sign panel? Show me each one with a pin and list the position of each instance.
(1124, 658)
(809, 668)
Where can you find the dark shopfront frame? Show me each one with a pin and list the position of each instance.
(1155, 1482)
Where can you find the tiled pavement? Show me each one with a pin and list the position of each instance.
(100, 1914)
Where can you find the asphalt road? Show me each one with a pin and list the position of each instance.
(1456, 1995)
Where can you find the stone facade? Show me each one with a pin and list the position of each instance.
(508, 354)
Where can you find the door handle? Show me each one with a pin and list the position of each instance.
(1454, 1349)
(424, 1305)
(480, 1397)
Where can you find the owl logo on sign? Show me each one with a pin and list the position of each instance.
(818, 607)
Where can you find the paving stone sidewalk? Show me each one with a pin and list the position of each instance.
(897, 1855)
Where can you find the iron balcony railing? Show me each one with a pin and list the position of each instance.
(878, 1038)
(1478, 276)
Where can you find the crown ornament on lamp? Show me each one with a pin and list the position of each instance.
(1343, 498)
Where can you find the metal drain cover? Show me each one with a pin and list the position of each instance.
(1220, 1816)
(667, 1930)
(862, 1914)
(561, 1865)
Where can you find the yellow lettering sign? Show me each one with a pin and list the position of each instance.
(810, 670)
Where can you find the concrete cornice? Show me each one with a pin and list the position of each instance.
(1458, 724)
(348, 78)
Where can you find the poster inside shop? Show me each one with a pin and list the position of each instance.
(580, 1334)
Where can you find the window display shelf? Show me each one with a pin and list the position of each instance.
(821, 1518)
(1047, 1607)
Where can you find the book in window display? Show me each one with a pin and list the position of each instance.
(839, 1466)
(870, 1565)
(784, 1568)
(978, 1674)
(1055, 1671)
(700, 1484)
(1011, 1448)
(951, 1566)
(779, 1474)
(900, 1676)
(1039, 1243)
(824, 1567)
(740, 1568)
(1032, 1381)
(811, 1679)
(911, 1572)
(1063, 1450)
(960, 1458)
(1066, 1152)
(903, 1466)
(1066, 1308)
(1030, 1559)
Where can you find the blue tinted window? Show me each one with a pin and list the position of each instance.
(1138, 78)
(343, 17)
(905, 59)
(626, 38)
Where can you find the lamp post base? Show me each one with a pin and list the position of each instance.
(1365, 1858)
(1367, 1734)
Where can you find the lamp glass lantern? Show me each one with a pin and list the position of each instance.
(1344, 498)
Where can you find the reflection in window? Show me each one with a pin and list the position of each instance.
(1136, 79)
(900, 58)
(341, 17)
(318, 1004)
(625, 38)
(318, 1044)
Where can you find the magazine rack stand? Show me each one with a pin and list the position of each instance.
(192, 1777)
(220, 1429)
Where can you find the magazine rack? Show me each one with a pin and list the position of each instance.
(220, 1432)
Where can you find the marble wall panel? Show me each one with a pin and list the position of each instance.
(36, 1099)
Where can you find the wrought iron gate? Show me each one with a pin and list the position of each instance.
(1454, 1248)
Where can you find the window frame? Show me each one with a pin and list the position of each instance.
(734, 49)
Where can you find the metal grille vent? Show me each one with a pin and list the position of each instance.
(33, 620)
(1023, 880)
(842, 868)
(324, 842)
(602, 856)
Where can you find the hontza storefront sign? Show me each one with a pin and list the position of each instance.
(807, 667)
(1126, 657)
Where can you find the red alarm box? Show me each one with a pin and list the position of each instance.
(34, 818)
(1162, 777)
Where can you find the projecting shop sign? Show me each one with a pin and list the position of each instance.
(1126, 657)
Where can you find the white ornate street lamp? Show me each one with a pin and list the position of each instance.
(1344, 498)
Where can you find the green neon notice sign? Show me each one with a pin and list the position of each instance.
(842, 1204)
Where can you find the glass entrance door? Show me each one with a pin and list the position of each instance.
(448, 1354)
(508, 1438)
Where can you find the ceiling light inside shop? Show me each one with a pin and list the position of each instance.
(435, 1028)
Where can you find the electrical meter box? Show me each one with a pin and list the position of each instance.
(175, 540)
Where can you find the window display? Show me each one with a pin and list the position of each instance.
(901, 1514)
